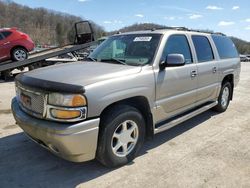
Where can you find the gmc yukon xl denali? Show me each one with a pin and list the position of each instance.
(134, 85)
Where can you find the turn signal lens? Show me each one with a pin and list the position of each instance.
(78, 100)
(65, 114)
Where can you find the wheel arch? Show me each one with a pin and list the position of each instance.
(229, 78)
(141, 104)
(17, 46)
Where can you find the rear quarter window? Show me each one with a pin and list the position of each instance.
(225, 47)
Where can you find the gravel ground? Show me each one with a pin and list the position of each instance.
(210, 150)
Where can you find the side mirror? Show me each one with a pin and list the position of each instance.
(173, 60)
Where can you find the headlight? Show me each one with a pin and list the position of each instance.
(66, 107)
(67, 100)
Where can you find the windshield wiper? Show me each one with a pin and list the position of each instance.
(91, 58)
(120, 61)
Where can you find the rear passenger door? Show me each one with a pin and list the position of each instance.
(207, 67)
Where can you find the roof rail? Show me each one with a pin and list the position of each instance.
(187, 29)
(173, 28)
(219, 33)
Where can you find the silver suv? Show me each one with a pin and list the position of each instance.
(133, 86)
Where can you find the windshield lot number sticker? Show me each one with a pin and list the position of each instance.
(142, 39)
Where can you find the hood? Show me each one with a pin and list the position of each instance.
(82, 73)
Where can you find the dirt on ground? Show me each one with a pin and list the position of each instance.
(210, 150)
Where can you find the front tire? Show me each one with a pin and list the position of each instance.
(224, 97)
(19, 54)
(121, 136)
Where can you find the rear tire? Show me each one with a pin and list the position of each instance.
(121, 136)
(19, 54)
(224, 97)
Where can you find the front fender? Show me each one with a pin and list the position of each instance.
(102, 94)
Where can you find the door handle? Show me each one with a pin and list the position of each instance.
(6, 43)
(214, 69)
(193, 73)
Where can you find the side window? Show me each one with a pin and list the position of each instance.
(1, 36)
(203, 48)
(6, 33)
(225, 47)
(178, 44)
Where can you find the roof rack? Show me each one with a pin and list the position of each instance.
(173, 28)
(187, 29)
(219, 33)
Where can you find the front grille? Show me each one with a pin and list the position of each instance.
(31, 102)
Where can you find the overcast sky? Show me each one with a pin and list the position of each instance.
(230, 17)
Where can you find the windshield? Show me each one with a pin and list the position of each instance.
(133, 49)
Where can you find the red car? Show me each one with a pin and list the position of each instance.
(14, 45)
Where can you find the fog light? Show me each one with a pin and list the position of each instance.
(65, 114)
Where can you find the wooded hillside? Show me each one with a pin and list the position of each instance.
(44, 26)
(242, 46)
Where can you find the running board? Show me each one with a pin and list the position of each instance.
(186, 116)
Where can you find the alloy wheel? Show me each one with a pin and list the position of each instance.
(125, 138)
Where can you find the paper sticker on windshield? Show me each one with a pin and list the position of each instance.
(142, 39)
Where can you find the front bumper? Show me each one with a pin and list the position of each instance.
(74, 142)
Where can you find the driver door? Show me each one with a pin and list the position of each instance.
(176, 87)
